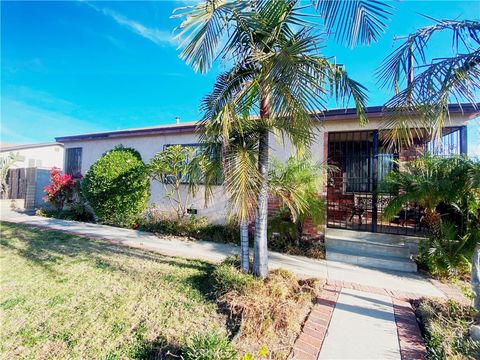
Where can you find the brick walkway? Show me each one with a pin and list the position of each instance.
(451, 292)
(309, 342)
(308, 345)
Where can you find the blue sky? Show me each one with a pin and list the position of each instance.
(76, 67)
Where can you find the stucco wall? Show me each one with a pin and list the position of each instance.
(148, 146)
(42, 156)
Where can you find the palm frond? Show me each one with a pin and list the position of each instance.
(203, 29)
(355, 21)
(424, 103)
(242, 179)
(394, 68)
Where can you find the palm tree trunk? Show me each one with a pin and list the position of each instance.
(433, 221)
(244, 246)
(475, 280)
(260, 254)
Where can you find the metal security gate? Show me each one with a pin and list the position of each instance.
(354, 202)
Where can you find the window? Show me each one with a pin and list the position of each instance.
(352, 153)
(448, 145)
(197, 148)
(73, 161)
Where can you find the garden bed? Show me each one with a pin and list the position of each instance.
(445, 329)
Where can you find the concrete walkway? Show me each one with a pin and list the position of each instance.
(362, 327)
(215, 252)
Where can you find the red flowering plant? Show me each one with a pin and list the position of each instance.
(61, 189)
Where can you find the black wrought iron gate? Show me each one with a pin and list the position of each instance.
(354, 200)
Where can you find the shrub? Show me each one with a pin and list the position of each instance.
(269, 309)
(155, 220)
(117, 186)
(76, 212)
(61, 189)
(209, 347)
(174, 168)
(296, 184)
(282, 238)
(445, 328)
(448, 254)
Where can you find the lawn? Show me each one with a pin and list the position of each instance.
(65, 296)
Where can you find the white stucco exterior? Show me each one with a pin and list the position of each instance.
(46, 155)
(149, 145)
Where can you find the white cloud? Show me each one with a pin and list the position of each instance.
(157, 36)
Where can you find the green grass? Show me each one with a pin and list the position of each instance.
(64, 296)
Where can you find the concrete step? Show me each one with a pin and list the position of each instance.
(375, 250)
(382, 238)
(339, 244)
(373, 261)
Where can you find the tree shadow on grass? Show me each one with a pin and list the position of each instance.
(48, 248)
(157, 349)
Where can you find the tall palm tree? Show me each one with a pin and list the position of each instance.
(277, 72)
(423, 103)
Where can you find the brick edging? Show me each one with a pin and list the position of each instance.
(450, 292)
(308, 344)
(374, 290)
(409, 336)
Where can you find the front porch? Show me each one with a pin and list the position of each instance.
(359, 161)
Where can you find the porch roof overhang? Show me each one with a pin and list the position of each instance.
(467, 110)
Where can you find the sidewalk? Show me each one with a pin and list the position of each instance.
(337, 273)
(346, 323)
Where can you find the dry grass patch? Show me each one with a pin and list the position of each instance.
(445, 328)
(266, 313)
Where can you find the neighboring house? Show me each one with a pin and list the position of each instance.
(30, 173)
(357, 151)
(46, 155)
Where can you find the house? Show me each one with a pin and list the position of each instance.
(30, 172)
(357, 151)
(45, 155)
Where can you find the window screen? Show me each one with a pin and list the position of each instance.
(73, 161)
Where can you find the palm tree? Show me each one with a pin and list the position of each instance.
(277, 73)
(297, 184)
(430, 181)
(455, 77)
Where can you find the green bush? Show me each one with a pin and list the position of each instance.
(448, 254)
(209, 347)
(117, 186)
(228, 277)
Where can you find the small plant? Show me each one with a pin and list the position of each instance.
(177, 167)
(117, 186)
(296, 184)
(156, 220)
(61, 189)
(448, 254)
(5, 164)
(212, 346)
